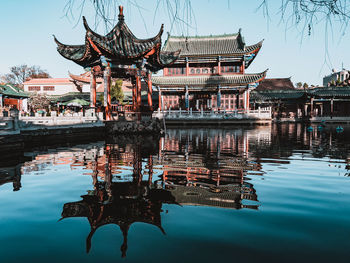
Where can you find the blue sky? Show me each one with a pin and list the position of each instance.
(27, 28)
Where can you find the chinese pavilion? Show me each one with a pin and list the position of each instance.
(209, 73)
(119, 54)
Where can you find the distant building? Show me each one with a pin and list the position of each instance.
(13, 97)
(329, 103)
(50, 86)
(281, 95)
(335, 77)
(77, 86)
(275, 84)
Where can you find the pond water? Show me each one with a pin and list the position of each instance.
(265, 194)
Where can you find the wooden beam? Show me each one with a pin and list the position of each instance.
(107, 92)
(149, 93)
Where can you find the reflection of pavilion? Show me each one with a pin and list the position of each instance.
(124, 196)
(121, 204)
(120, 196)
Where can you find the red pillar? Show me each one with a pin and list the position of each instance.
(134, 92)
(149, 94)
(138, 93)
(160, 100)
(247, 101)
(165, 72)
(219, 65)
(150, 170)
(92, 89)
(107, 92)
(187, 67)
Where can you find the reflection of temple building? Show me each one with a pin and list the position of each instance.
(200, 169)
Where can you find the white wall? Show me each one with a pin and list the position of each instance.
(59, 89)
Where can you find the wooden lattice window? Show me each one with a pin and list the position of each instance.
(49, 88)
(34, 88)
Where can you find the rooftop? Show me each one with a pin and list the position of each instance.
(12, 91)
(275, 84)
(210, 45)
(205, 80)
(47, 81)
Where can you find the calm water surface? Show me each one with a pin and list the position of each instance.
(270, 194)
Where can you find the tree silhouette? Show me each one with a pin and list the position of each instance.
(304, 13)
(21, 73)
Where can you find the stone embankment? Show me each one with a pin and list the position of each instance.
(16, 133)
(135, 127)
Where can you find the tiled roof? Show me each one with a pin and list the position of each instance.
(12, 91)
(70, 96)
(331, 92)
(275, 84)
(322, 92)
(210, 80)
(121, 42)
(47, 81)
(209, 45)
(120, 45)
(269, 95)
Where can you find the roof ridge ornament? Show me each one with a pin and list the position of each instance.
(121, 15)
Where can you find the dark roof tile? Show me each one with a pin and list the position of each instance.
(209, 45)
(275, 84)
(209, 80)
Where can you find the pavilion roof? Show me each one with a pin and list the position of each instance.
(120, 46)
(208, 80)
(70, 96)
(12, 91)
(213, 45)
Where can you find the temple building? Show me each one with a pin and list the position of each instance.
(209, 73)
(12, 97)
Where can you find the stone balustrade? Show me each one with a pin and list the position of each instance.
(260, 114)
